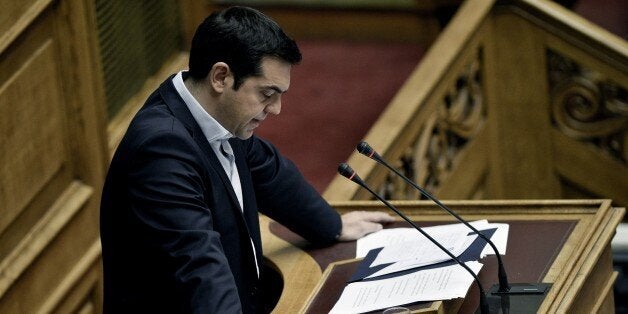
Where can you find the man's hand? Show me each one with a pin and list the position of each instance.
(357, 224)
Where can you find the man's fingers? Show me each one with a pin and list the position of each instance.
(358, 230)
(381, 217)
(375, 216)
(371, 227)
(357, 224)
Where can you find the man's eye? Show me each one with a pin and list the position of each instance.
(267, 94)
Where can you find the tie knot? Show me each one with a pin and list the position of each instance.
(225, 147)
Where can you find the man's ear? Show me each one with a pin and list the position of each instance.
(220, 76)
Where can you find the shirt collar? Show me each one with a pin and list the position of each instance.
(212, 130)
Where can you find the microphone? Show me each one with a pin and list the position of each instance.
(347, 172)
(504, 287)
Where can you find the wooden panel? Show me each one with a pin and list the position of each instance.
(585, 166)
(40, 235)
(606, 302)
(83, 92)
(11, 12)
(53, 157)
(590, 264)
(33, 132)
(469, 171)
(50, 253)
(17, 15)
(80, 291)
(34, 158)
(595, 283)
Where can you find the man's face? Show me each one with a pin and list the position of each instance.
(242, 110)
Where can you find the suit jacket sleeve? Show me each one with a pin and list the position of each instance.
(284, 195)
(175, 224)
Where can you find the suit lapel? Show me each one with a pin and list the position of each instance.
(248, 217)
(180, 110)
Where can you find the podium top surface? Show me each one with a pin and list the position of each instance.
(532, 248)
(558, 242)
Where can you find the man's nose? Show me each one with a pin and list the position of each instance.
(274, 108)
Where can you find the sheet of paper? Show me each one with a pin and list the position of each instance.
(384, 238)
(426, 258)
(427, 285)
(388, 237)
(500, 239)
(422, 251)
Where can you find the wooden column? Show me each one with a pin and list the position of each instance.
(520, 156)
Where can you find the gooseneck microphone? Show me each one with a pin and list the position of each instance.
(529, 295)
(365, 149)
(347, 172)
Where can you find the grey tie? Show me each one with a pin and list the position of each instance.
(227, 151)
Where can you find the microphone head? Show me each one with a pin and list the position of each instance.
(364, 148)
(347, 172)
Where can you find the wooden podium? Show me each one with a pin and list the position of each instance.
(562, 242)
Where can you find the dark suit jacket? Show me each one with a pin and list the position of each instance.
(173, 234)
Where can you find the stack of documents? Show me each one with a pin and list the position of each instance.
(401, 266)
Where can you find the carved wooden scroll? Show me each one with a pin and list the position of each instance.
(588, 106)
(460, 115)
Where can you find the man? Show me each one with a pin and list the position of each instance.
(179, 213)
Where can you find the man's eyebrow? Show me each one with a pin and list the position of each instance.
(275, 88)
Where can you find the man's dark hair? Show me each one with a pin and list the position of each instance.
(239, 37)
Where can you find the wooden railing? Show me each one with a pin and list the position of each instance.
(516, 99)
